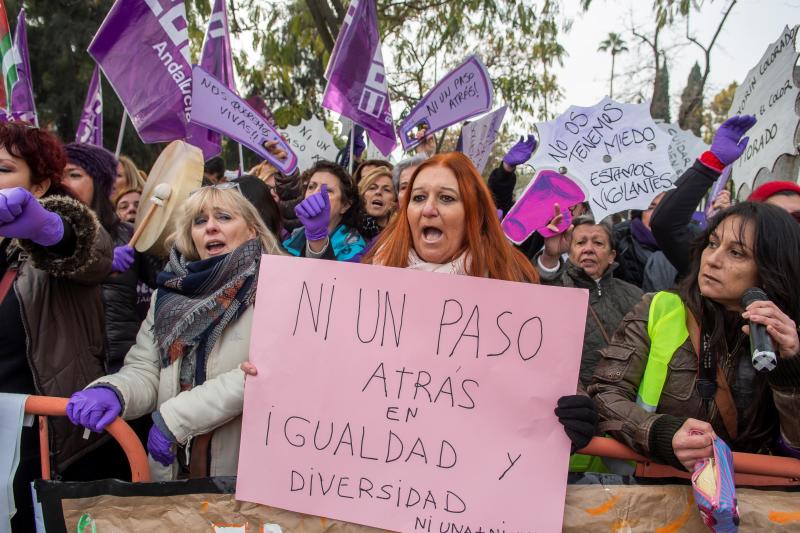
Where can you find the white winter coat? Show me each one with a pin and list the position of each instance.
(214, 405)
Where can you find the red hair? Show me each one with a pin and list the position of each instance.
(490, 253)
(41, 150)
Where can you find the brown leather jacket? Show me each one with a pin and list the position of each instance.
(619, 372)
(62, 312)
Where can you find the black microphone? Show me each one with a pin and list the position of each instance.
(762, 351)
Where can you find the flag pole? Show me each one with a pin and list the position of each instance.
(352, 144)
(121, 132)
(241, 159)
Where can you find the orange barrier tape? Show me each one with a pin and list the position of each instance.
(750, 468)
(119, 429)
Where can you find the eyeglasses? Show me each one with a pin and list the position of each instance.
(220, 187)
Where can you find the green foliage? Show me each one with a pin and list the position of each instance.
(692, 93)
(424, 38)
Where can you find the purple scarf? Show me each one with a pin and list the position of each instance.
(643, 235)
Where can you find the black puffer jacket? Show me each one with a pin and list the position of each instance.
(120, 298)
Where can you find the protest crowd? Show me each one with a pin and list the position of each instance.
(161, 337)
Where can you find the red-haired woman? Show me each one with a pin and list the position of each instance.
(54, 255)
(447, 222)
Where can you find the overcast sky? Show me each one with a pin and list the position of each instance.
(749, 29)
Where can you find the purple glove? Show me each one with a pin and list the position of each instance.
(160, 447)
(315, 214)
(728, 143)
(23, 217)
(123, 258)
(94, 408)
(520, 152)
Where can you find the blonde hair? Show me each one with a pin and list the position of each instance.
(371, 177)
(117, 197)
(228, 199)
(132, 178)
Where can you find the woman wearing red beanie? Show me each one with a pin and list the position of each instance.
(784, 194)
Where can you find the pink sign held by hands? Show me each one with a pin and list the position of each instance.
(409, 400)
(534, 209)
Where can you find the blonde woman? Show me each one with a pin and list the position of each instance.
(378, 200)
(184, 367)
(128, 176)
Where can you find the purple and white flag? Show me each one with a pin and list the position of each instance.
(22, 104)
(219, 108)
(466, 91)
(90, 128)
(216, 59)
(142, 48)
(216, 55)
(357, 86)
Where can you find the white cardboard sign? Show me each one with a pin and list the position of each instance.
(769, 93)
(479, 137)
(616, 151)
(684, 149)
(311, 142)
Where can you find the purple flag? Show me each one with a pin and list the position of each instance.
(142, 48)
(22, 105)
(90, 128)
(219, 108)
(466, 91)
(356, 80)
(216, 56)
(216, 60)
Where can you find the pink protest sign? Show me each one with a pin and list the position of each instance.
(409, 400)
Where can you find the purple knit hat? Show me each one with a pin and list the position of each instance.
(98, 162)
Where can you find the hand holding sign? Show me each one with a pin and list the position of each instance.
(220, 109)
(463, 93)
(375, 380)
(533, 211)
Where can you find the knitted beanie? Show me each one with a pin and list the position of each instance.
(98, 162)
(763, 192)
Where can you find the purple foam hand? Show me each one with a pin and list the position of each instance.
(728, 144)
(534, 210)
(23, 217)
(520, 152)
(315, 213)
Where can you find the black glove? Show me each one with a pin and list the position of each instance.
(578, 415)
